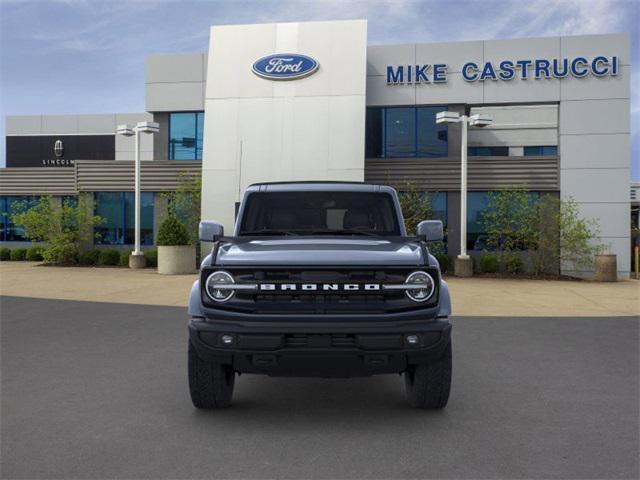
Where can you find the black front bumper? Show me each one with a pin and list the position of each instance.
(319, 349)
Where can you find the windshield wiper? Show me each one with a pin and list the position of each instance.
(268, 231)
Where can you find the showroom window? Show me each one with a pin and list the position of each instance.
(405, 132)
(185, 135)
(488, 151)
(8, 206)
(477, 203)
(117, 210)
(541, 151)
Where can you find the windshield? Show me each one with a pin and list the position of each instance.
(319, 213)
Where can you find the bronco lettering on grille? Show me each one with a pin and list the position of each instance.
(314, 287)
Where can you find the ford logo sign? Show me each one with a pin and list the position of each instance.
(285, 66)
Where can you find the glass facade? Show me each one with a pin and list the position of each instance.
(439, 206)
(117, 209)
(488, 151)
(185, 135)
(10, 232)
(541, 151)
(405, 132)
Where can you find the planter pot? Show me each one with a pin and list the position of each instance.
(176, 260)
(606, 268)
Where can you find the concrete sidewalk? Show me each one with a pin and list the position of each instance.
(471, 297)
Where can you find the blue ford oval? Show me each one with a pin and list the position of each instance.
(284, 66)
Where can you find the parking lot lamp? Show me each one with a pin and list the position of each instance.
(463, 265)
(136, 259)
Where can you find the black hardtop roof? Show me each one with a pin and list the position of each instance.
(318, 185)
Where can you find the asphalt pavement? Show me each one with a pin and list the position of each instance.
(99, 390)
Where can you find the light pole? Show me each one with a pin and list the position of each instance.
(136, 259)
(463, 264)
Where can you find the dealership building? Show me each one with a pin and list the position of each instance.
(313, 101)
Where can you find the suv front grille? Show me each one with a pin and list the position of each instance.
(320, 301)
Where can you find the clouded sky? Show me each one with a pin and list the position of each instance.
(84, 56)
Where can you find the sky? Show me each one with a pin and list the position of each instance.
(87, 56)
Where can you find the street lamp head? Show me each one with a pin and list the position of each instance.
(480, 120)
(148, 127)
(124, 129)
(447, 117)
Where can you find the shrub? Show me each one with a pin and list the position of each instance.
(34, 254)
(185, 204)
(109, 257)
(90, 257)
(510, 220)
(18, 254)
(152, 258)
(172, 232)
(513, 263)
(5, 254)
(61, 254)
(64, 227)
(443, 260)
(489, 263)
(124, 258)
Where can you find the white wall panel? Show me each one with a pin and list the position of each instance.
(520, 91)
(613, 218)
(521, 49)
(591, 87)
(58, 124)
(594, 117)
(379, 56)
(174, 68)
(381, 94)
(97, 124)
(23, 125)
(174, 97)
(259, 130)
(455, 90)
(593, 45)
(595, 151)
(346, 134)
(600, 185)
(453, 54)
(516, 137)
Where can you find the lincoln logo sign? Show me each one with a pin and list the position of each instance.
(58, 148)
(285, 66)
(505, 70)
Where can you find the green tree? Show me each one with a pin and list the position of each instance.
(417, 206)
(571, 239)
(510, 220)
(184, 203)
(63, 227)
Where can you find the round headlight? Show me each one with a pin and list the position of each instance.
(426, 286)
(215, 286)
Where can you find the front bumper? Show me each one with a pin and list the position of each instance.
(319, 349)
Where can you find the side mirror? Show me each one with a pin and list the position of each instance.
(210, 231)
(430, 231)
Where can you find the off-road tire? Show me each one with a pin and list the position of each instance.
(210, 384)
(427, 385)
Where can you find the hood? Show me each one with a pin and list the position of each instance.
(320, 251)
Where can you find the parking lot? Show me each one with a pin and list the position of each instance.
(99, 390)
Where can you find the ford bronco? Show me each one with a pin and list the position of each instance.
(320, 279)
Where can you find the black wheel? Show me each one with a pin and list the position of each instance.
(210, 384)
(428, 384)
